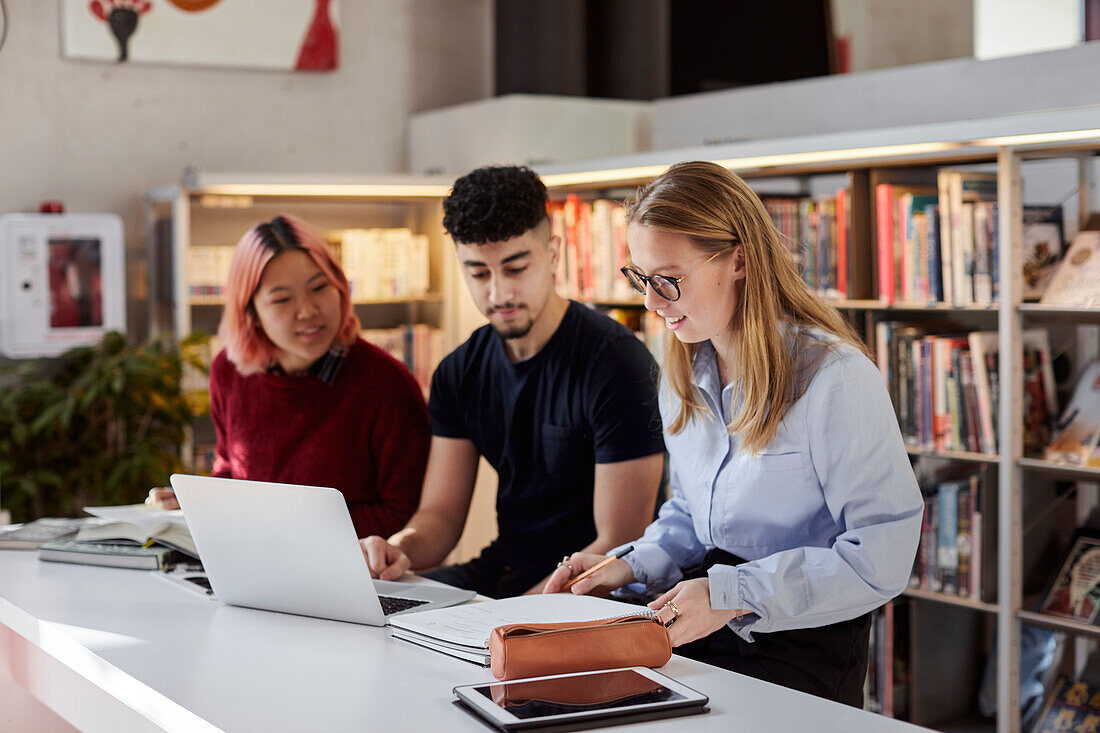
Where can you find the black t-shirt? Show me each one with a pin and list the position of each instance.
(589, 396)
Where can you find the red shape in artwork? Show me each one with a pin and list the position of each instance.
(318, 51)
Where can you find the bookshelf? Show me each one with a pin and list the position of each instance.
(948, 637)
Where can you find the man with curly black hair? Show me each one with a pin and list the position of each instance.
(560, 399)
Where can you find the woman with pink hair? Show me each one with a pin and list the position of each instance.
(298, 397)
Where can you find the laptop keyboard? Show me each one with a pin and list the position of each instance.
(392, 604)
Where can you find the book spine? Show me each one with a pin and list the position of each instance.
(995, 251)
(983, 276)
(970, 401)
(888, 661)
(941, 418)
(962, 236)
(935, 266)
(919, 389)
(946, 257)
(928, 432)
(947, 549)
(904, 365)
(884, 220)
(806, 218)
(842, 242)
(904, 243)
(975, 538)
(931, 579)
(962, 540)
(919, 577)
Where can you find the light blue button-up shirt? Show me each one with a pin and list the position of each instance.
(827, 516)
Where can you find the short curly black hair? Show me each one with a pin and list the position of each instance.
(494, 203)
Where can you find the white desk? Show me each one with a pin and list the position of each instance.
(120, 650)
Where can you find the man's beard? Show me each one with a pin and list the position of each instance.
(512, 330)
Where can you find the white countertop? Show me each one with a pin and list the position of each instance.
(114, 649)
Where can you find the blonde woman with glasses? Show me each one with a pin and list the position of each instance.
(794, 510)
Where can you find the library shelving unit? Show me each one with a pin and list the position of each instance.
(949, 637)
(210, 212)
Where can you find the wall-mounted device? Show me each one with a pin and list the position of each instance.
(62, 282)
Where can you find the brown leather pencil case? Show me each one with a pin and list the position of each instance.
(529, 650)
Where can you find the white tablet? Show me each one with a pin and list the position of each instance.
(610, 696)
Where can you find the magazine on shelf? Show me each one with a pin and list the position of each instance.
(1070, 705)
(1043, 234)
(1076, 281)
(1077, 432)
(1074, 591)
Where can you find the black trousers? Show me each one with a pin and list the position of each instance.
(827, 661)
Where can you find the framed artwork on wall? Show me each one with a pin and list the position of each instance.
(288, 35)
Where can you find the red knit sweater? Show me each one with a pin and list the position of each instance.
(366, 434)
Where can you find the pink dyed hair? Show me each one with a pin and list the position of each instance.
(246, 344)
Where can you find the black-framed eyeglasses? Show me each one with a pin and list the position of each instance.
(665, 286)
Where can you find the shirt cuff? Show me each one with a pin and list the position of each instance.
(725, 593)
(651, 566)
(725, 590)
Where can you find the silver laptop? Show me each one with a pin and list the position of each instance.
(289, 548)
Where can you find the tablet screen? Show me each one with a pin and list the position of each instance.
(565, 695)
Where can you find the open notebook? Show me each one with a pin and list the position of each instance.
(464, 632)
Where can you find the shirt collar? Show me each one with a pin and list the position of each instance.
(324, 368)
(704, 370)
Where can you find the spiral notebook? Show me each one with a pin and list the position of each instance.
(463, 631)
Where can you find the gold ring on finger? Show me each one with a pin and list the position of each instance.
(673, 606)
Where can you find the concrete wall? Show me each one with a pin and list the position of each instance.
(96, 135)
(1012, 27)
(887, 33)
(941, 91)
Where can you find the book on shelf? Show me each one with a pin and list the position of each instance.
(592, 249)
(1077, 433)
(1040, 403)
(947, 537)
(983, 344)
(1040, 398)
(897, 248)
(951, 558)
(960, 191)
(383, 264)
(1076, 280)
(30, 535)
(816, 231)
(208, 271)
(887, 686)
(108, 554)
(939, 386)
(1069, 705)
(1043, 234)
(138, 524)
(1073, 593)
(416, 345)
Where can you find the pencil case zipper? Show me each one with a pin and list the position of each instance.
(528, 631)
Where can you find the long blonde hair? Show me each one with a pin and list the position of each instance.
(718, 212)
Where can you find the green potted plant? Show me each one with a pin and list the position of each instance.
(99, 425)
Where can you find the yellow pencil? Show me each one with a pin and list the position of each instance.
(599, 565)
